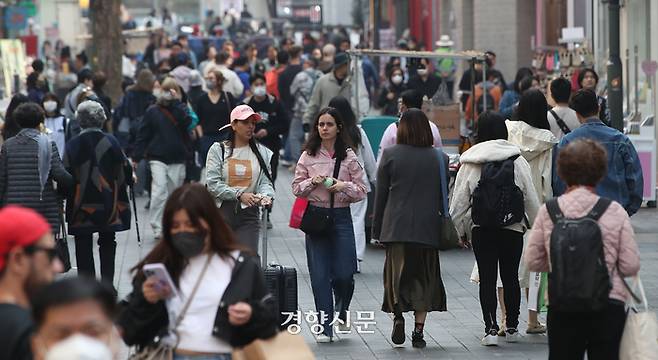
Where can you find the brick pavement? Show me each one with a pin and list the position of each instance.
(454, 334)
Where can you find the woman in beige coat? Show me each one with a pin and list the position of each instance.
(530, 131)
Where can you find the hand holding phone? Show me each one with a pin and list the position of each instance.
(158, 284)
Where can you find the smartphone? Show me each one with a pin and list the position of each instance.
(159, 271)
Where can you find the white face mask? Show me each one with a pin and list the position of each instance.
(50, 106)
(422, 72)
(157, 92)
(260, 91)
(396, 79)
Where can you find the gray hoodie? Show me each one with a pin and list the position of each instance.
(469, 176)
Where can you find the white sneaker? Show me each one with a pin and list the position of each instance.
(322, 339)
(512, 335)
(490, 339)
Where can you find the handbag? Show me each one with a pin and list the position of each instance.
(61, 244)
(448, 237)
(316, 221)
(298, 209)
(163, 350)
(282, 346)
(640, 331)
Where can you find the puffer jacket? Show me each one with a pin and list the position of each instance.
(537, 148)
(19, 178)
(621, 252)
(469, 176)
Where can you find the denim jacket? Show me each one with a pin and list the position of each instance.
(623, 182)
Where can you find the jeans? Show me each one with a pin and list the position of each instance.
(166, 178)
(143, 177)
(331, 265)
(203, 357)
(296, 138)
(84, 256)
(493, 247)
(599, 333)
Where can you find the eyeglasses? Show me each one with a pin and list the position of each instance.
(50, 252)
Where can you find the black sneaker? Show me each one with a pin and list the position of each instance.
(397, 336)
(417, 340)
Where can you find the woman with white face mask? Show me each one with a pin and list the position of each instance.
(389, 97)
(55, 122)
(214, 111)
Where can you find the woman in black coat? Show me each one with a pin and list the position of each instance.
(389, 96)
(230, 307)
(25, 181)
(101, 174)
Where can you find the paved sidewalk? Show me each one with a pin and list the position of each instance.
(454, 334)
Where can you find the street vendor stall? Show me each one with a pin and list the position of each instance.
(447, 116)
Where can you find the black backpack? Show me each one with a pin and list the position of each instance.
(497, 201)
(579, 279)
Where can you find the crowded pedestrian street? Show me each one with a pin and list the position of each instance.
(328, 179)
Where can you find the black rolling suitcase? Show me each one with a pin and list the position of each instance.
(281, 281)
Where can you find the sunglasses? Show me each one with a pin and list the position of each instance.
(50, 252)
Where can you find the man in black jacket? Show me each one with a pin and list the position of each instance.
(288, 75)
(274, 121)
(163, 139)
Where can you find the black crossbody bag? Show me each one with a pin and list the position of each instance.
(316, 221)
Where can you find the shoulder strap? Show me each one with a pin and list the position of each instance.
(168, 115)
(228, 104)
(599, 208)
(554, 210)
(180, 317)
(335, 176)
(444, 184)
(563, 126)
(262, 164)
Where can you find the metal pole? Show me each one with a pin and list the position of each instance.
(375, 31)
(473, 91)
(484, 85)
(615, 71)
(355, 82)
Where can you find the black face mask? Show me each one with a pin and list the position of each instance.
(189, 244)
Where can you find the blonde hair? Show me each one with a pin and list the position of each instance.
(169, 83)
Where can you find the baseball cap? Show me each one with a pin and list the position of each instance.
(244, 112)
(19, 227)
(340, 59)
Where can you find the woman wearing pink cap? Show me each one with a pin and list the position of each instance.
(239, 176)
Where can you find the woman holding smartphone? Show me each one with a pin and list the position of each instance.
(331, 255)
(223, 300)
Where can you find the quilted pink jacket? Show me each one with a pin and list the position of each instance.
(618, 238)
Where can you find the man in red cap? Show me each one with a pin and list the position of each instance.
(28, 260)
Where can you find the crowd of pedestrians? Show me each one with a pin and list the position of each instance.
(205, 142)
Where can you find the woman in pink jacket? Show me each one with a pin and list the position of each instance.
(581, 165)
(331, 255)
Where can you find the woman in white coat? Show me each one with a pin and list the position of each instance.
(530, 131)
(367, 160)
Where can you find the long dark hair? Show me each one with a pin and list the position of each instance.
(521, 74)
(199, 204)
(342, 140)
(414, 129)
(343, 106)
(532, 109)
(11, 126)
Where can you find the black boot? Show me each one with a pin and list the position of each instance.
(417, 340)
(397, 335)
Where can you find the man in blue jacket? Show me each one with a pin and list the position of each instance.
(623, 182)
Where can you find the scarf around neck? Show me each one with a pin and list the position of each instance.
(44, 154)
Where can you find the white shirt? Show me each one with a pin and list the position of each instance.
(568, 115)
(195, 331)
(57, 133)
